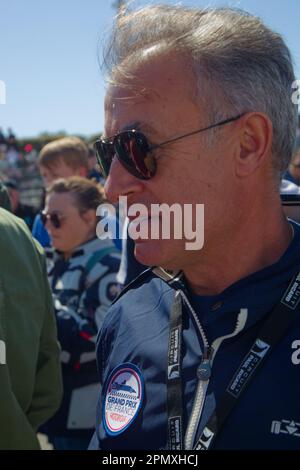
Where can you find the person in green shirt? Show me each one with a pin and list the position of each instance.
(30, 375)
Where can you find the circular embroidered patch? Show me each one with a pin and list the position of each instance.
(122, 398)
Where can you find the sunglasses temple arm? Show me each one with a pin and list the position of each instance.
(226, 121)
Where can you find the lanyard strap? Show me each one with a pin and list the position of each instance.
(174, 384)
(272, 330)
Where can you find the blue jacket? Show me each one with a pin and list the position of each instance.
(40, 233)
(83, 287)
(132, 351)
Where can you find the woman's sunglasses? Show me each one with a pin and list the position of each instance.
(54, 218)
(135, 153)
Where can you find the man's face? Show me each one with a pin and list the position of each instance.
(187, 172)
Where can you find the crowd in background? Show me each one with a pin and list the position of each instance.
(56, 191)
(82, 269)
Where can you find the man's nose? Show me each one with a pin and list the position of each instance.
(121, 183)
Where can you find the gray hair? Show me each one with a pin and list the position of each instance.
(234, 52)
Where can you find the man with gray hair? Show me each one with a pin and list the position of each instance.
(202, 352)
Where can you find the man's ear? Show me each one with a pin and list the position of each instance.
(256, 133)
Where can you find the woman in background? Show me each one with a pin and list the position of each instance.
(82, 273)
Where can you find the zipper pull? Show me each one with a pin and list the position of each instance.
(204, 369)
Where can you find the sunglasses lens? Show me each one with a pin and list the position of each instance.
(105, 153)
(55, 221)
(132, 149)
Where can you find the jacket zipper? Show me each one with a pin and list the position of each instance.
(204, 371)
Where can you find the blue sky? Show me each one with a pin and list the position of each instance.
(49, 58)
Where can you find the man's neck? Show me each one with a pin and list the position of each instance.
(247, 252)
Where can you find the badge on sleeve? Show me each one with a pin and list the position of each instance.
(122, 398)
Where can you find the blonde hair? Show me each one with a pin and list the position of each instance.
(71, 150)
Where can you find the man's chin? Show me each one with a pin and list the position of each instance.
(154, 253)
(143, 255)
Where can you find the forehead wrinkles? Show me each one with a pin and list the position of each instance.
(122, 95)
(118, 105)
(164, 85)
(152, 76)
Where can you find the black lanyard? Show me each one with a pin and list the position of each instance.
(174, 385)
(273, 329)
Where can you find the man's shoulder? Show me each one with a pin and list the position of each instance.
(141, 310)
(146, 285)
(144, 295)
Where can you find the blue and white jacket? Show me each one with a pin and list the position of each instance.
(83, 288)
(132, 351)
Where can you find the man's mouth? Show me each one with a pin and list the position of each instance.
(143, 226)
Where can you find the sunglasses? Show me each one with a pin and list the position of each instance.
(54, 218)
(134, 152)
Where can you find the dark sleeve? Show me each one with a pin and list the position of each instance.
(78, 328)
(95, 443)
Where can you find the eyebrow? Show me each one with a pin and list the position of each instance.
(133, 125)
(137, 126)
(128, 127)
